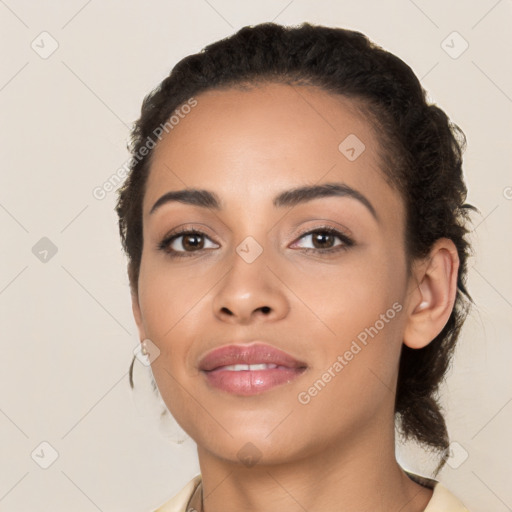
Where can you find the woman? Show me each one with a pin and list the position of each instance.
(294, 221)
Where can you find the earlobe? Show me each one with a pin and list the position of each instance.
(433, 296)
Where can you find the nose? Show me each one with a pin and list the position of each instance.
(250, 293)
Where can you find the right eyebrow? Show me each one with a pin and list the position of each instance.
(195, 197)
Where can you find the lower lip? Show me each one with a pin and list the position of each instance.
(251, 382)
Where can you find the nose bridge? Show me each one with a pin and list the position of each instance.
(250, 289)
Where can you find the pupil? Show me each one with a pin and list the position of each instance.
(322, 238)
(197, 242)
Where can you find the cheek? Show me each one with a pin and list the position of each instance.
(352, 294)
(177, 311)
(358, 315)
(169, 297)
(172, 311)
(356, 358)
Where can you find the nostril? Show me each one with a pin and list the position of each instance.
(265, 309)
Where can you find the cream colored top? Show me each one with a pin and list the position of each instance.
(190, 497)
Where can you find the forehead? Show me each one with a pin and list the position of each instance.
(259, 141)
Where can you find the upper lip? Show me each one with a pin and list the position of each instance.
(253, 353)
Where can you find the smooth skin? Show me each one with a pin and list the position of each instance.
(307, 294)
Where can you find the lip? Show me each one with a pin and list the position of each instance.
(253, 353)
(249, 382)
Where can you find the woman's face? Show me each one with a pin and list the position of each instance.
(254, 272)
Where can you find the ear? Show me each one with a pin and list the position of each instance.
(433, 294)
(137, 315)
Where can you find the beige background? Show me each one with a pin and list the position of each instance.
(67, 328)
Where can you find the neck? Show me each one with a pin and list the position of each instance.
(360, 473)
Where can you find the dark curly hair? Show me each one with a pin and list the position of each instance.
(422, 159)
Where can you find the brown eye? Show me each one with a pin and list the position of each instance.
(324, 239)
(186, 242)
(192, 241)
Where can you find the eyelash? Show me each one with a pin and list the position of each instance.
(346, 242)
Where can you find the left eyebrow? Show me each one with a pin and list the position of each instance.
(288, 198)
(299, 195)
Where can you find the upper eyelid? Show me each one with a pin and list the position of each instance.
(342, 231)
